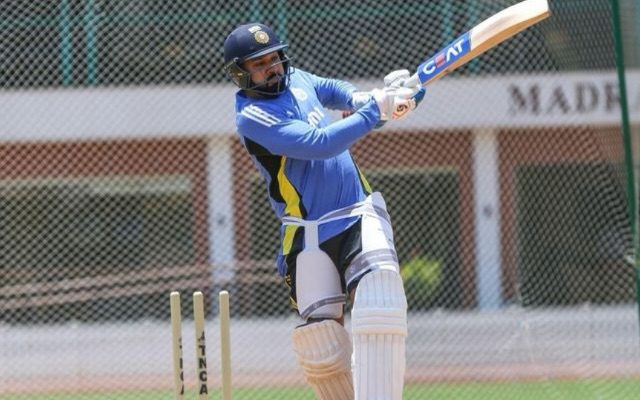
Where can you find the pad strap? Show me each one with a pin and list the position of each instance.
(370, 261)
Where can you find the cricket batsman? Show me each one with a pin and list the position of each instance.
(336, 234)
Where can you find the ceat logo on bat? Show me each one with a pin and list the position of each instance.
(443, 59)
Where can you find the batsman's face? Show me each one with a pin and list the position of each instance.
(267, 70)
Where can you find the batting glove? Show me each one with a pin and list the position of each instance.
(394, 103)
(399, 78)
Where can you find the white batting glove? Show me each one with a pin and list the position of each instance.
(394, 103)
(396, 100)
(398, 78)
(395, 79)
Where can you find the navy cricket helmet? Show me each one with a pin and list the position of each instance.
(250, 41)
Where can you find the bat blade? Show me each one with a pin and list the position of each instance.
(487, 34)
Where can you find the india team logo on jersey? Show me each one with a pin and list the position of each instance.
(300, 94)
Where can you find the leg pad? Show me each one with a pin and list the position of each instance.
(379, 325)
(323, 350)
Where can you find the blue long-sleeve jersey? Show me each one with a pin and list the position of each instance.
(303, 157)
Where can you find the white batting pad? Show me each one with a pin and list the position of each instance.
(324, 353)
(379, 326)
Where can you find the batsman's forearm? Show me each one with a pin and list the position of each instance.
(301, 140)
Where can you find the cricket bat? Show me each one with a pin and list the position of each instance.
(487, 34)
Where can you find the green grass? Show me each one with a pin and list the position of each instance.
(547, 390)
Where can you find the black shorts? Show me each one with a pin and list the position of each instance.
(342, 249)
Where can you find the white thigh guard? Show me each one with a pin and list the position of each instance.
(379, 326)
(318, 288)
(377, 230)
(323, 350)
(378, 250)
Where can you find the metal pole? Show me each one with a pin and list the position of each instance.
(256, 11)
(90, 19)
(447, 22)
(628, 145)
(66, 49)
(636, 9)
(281, 13)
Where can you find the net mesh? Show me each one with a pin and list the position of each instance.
(122, 179)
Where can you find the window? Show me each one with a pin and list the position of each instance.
(573, 251)
(92, 233)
